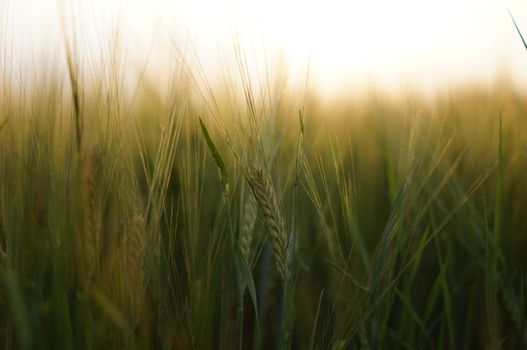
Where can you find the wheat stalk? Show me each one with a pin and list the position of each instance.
(92, 244)
(265, 196)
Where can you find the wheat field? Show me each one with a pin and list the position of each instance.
(245, 215)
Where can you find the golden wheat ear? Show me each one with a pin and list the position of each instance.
(265, 197)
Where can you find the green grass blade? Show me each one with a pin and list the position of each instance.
(517, 29)
(18, 310)
(315, 323)
(224, 175)
(249, 280)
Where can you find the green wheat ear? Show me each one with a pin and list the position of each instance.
(247, 227)
(265, 196)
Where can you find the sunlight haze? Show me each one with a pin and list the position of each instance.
(427, 44)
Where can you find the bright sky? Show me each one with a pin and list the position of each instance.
(348, 43)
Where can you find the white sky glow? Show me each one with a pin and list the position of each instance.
(419, 42)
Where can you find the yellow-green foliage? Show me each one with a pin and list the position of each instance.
(406, 227)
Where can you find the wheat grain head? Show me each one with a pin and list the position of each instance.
(265, 197)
